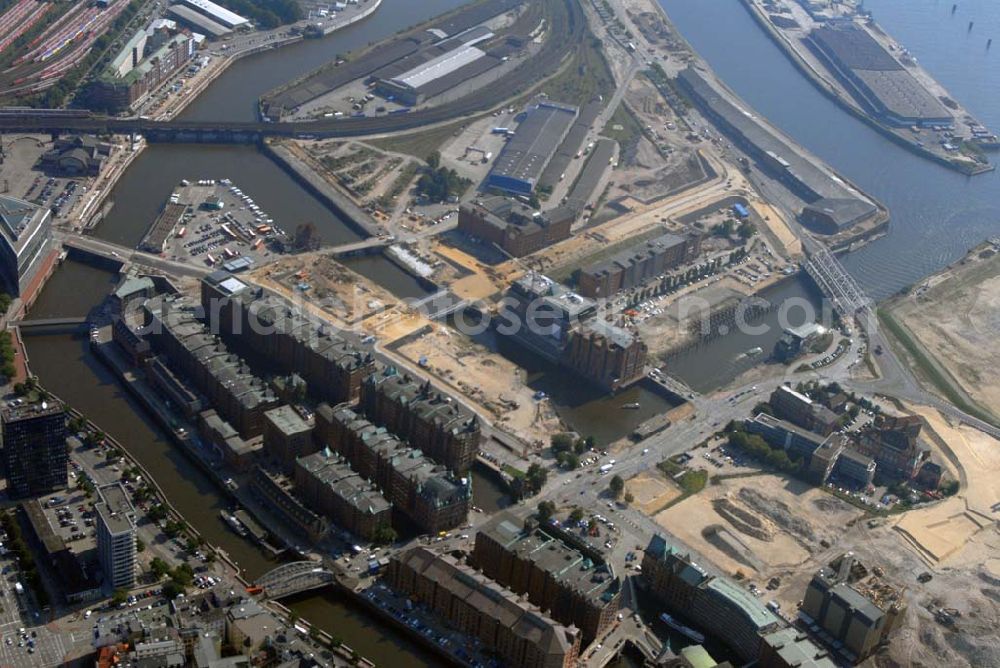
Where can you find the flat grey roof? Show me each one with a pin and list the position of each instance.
(852, 48)
(902, 95)
(438, 67)
(774, 423)
(535, 142)
(17, 217)
(749, 125)
(199, 21)
(597, 164)
(855, 48)
(857, 601)
(287, 420)
(637, 252)
(115, 509)
(217, 13)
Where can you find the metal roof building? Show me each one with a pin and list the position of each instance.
(522, 161)
(198, 21)
(874, 77)
(217, 13)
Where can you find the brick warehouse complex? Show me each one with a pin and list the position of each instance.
(638, 264)
(607, 355)
(565, 328)
(332, 368)
(239, 396)
(427, 419)
(714, 604)
(148, 59)
(428, 494)
(517, 229)
(328, 485)
(894, 444)
(505, 624)
(572, 582)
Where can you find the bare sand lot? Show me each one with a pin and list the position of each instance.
(651, 491)
(761, 526)
(487, 379)
(946, 533)
(955, 317)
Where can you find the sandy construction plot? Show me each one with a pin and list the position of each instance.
(940, 533)
(790, 244)
(768, 524)
(651, 491)
(956, 320)
(485, 378)
(696, 522)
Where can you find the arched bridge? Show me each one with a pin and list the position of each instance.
(294, 578)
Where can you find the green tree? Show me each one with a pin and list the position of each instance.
(576, 515)
(183, 575)
(159, 568)
(562, 442)
(617, 485)
(384, 535)
(545, 511)
(140, 546)
(172, 590)
(119, 596)
(536, 477)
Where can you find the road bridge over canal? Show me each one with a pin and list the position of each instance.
(294, 578)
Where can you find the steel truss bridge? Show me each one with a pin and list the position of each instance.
(294, 578)
(847, 296)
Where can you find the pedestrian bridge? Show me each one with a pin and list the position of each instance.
(51, 325)
(294, 578)
(51, 322)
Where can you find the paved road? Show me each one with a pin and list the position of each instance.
(115, 251)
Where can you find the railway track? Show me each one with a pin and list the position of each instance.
(568, 27)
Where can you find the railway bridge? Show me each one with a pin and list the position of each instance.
(848, 298)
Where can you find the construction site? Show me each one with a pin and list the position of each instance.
(773, 532)
(947, 324)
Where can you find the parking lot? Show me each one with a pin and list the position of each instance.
(71, 516)
(218, 223)
(23, 642)
(57, 193)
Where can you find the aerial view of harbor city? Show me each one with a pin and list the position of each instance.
(499, 333)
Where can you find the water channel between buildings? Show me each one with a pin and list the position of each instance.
(937, 215)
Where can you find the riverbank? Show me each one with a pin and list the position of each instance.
(307, 177)
(833, 92)
(182, 436)
(944, 326)
(366, 51)
(262, 41)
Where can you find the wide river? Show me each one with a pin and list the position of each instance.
(936, 216)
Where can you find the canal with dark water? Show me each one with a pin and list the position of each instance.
(936, 216)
